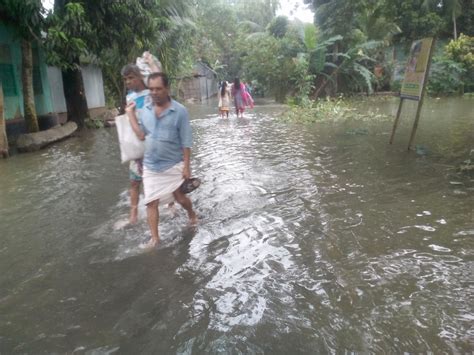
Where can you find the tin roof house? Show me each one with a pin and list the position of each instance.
(201, 85)
(50, 103)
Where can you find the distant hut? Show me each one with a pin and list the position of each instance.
(201, 85)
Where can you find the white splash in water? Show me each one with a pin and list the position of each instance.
(439, 248)
(244, 273)
(425, 228)
(465, 233)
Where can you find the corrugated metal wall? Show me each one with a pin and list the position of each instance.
(94, 86)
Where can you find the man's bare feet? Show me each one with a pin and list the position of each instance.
(172, 208)
(193, 220)
(152, 243)
(133, 214)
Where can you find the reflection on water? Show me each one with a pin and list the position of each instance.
(311, 240)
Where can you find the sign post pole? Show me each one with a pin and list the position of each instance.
(415, 81)
(420, 102)
(397, 119)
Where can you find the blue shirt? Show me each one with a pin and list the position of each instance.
(165, 136)
(141, 98)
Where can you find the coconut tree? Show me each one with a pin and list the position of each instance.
(454, 10)
(451, 10)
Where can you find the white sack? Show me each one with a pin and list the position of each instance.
(131, 147)
(145, 69)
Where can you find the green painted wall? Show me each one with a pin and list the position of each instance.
(10, 75)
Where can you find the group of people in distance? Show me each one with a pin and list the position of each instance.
(164, 125)
(239, 92)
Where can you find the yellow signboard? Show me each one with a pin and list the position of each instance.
(415, 72)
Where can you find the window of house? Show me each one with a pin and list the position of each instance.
(7, 76)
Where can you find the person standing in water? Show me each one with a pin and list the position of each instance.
(241, 97)
(237, 94)
(137, 93)
(164, 125)
(224, 100)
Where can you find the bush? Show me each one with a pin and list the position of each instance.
(446, 77)
(330, 110)
(396, 85)
(462, 52)
(94, 123)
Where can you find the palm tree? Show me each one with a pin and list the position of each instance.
(375, 26)
(452, 9)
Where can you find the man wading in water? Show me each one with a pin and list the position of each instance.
(165, 127)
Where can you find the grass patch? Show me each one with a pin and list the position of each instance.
(94, 123)
(334, 110)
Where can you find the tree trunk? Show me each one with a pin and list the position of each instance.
(3, 134)
(27, 82)
(326, 81)
(75, 96)
(454, 25)
(335, 74)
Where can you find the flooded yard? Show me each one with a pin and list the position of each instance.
(317, 239)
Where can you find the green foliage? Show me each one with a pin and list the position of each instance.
(94, 123)
(462, 51)
(292, 44)
(453, 72)
(66, 31)
(115, 33)
(374, 25)
(465, 21)
(310, 36)
(215, 35)
(27, 16)
(356, 65)
(264, 63)
(335, 17)
(318, 60)
(415, 18)
(396, 85)
(290, 59)
(446, 77)
(302, 79)
(330, 110)
(278, 26)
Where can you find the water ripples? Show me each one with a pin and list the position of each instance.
(310, 241)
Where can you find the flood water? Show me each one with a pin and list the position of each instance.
(313, 239)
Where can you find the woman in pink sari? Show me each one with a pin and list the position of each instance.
(241, 97)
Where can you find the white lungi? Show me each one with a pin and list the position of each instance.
(161, 185)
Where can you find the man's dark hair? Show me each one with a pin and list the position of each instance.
(163, 76)
(131, 69)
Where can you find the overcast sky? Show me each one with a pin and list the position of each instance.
(295, 9)
(48, 4)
